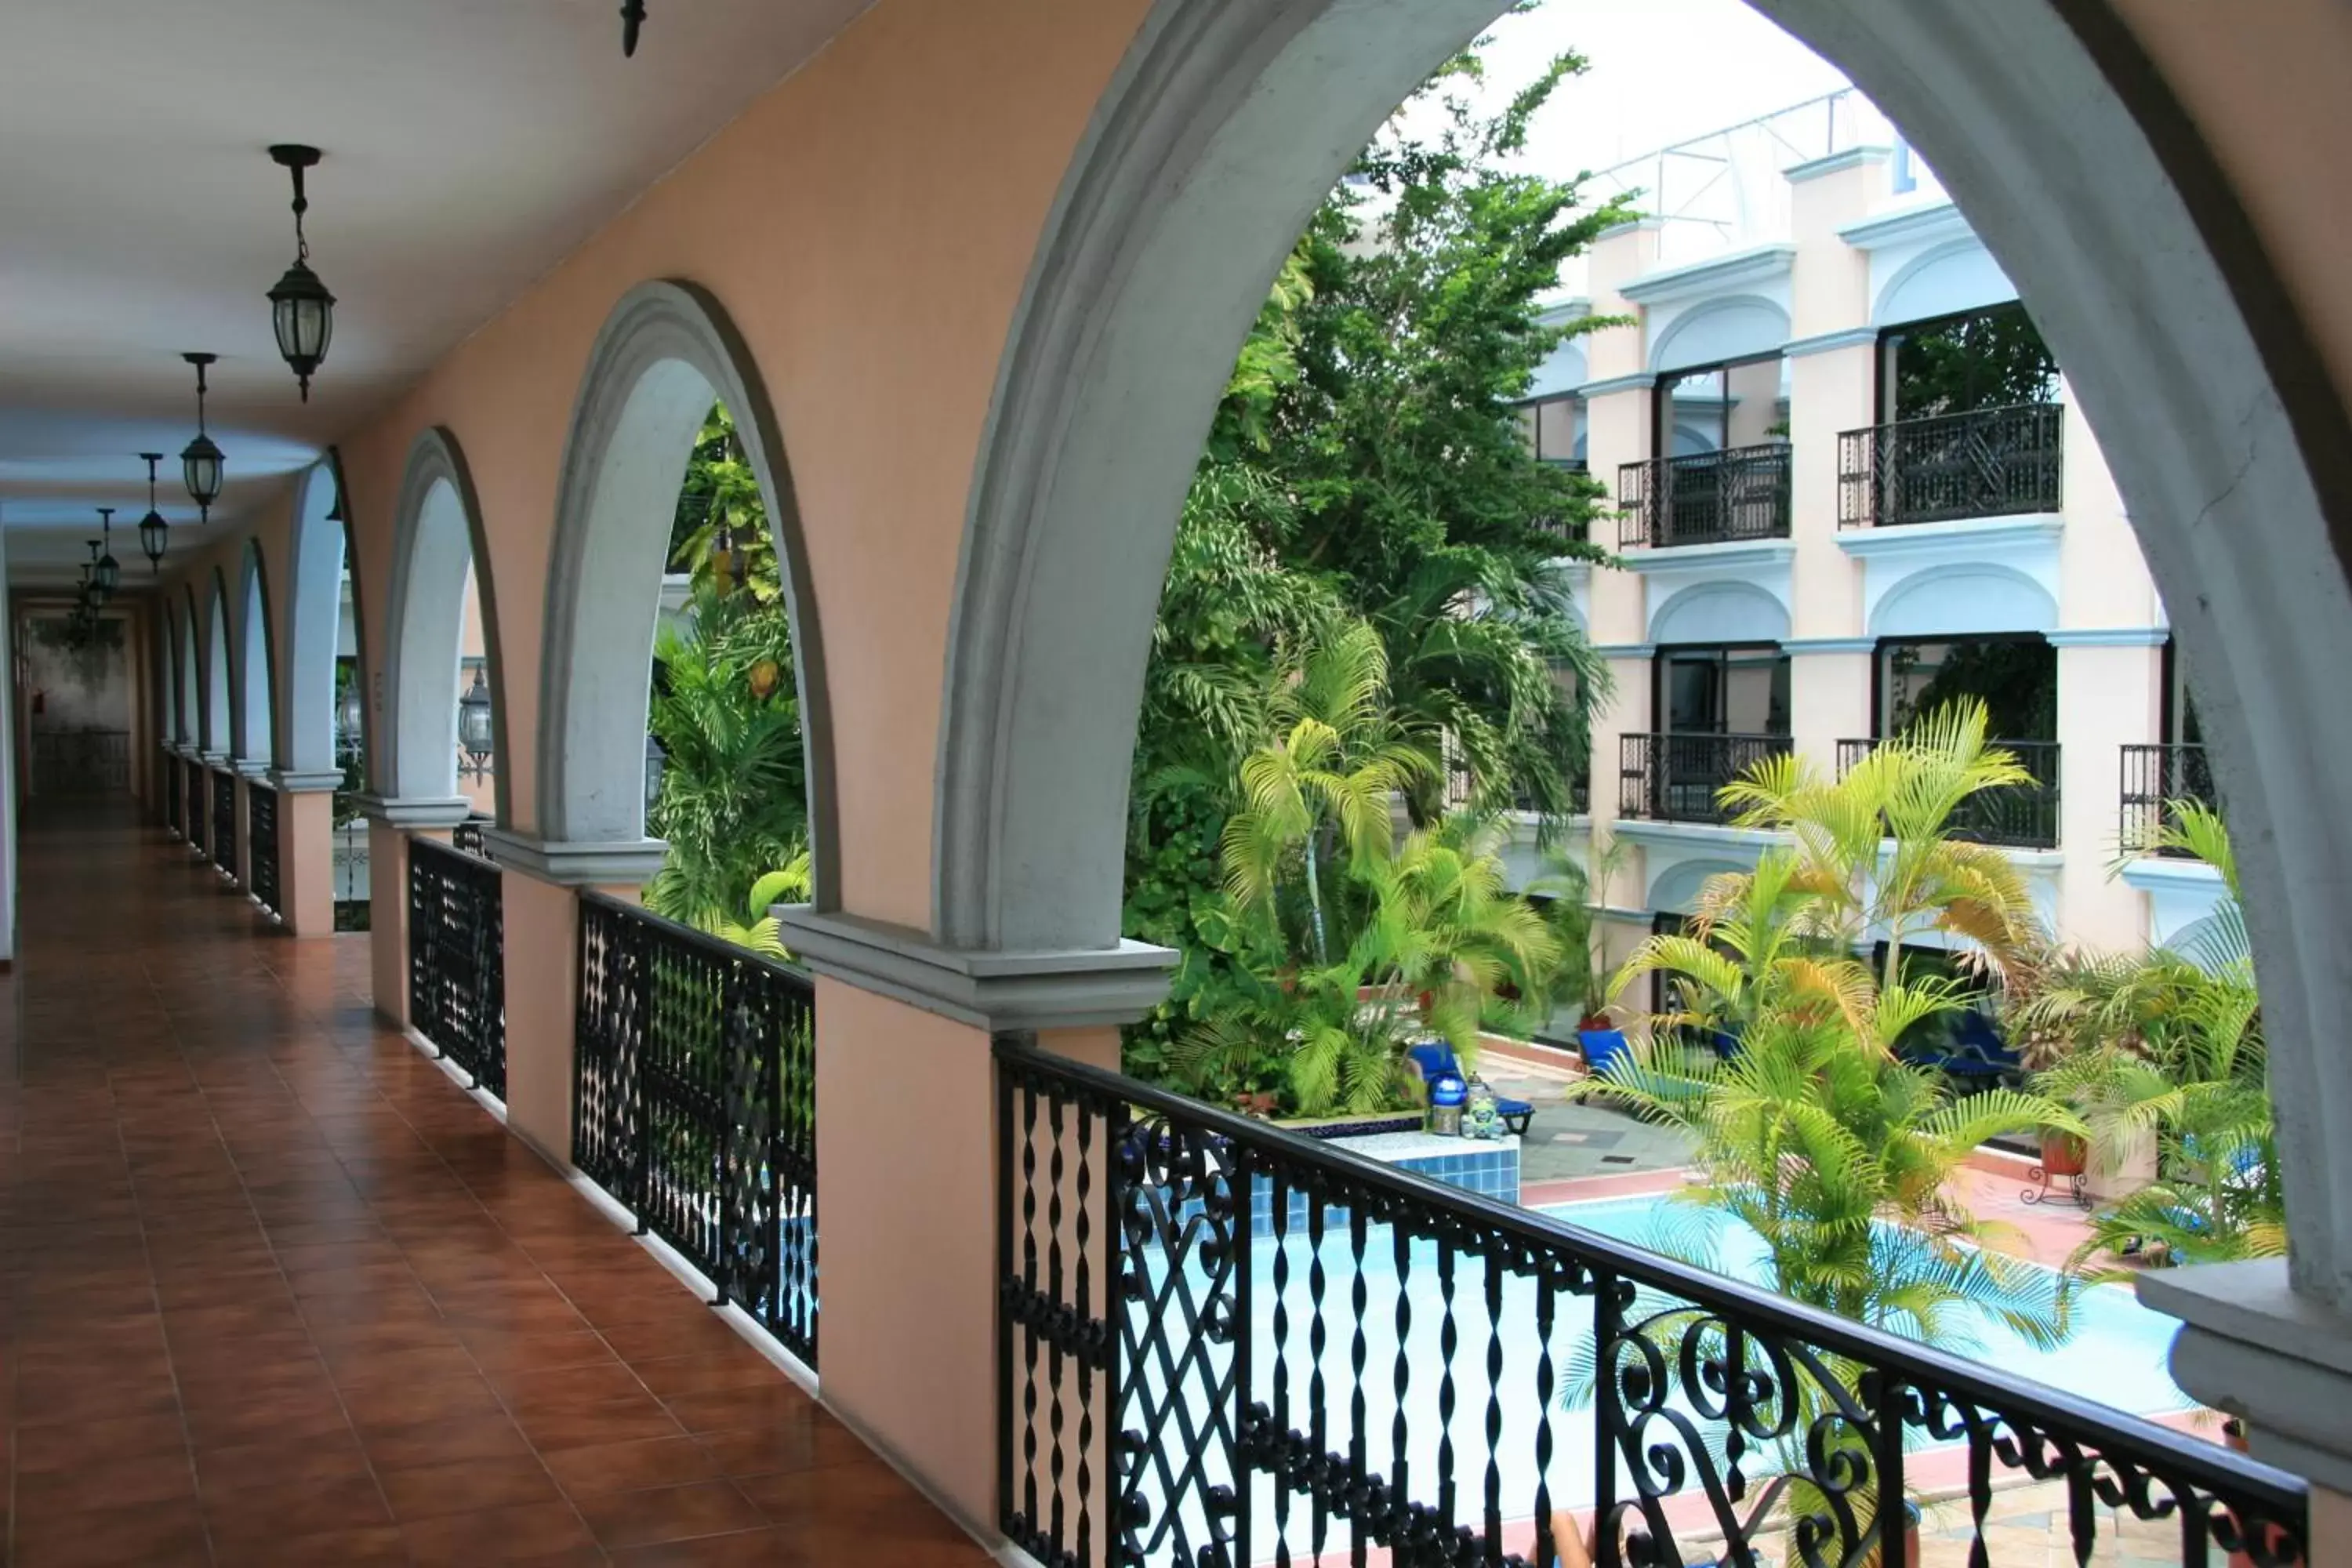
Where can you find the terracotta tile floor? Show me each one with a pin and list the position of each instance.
(277, 1292)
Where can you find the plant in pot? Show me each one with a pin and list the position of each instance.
(1568, 892)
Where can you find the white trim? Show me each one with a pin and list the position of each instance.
(287, 781)
(1828, 645)
(1830, 342)
(1998, 535)
(2156, 873)
(1836, 162)
(1700, 835)
(1709, 557)
(2112, 637)
(1718, 274)
(1626, 650)
(415, 813)
(1919, 225)
(1640, 381)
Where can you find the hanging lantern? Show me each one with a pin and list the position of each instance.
(656, 760)
(632, 16)
(109, 574)
(93, 580)
(474, 730)
(350, 714)
(200, 461)
(300, 309)
(722, 559)
(154, 533)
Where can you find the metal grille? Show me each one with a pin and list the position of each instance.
(261, 844)
(1676, 777)
(198, 823)
(1989, 462)
(174, 780)
(456, 960)
(694, 1105)
(1223, 1344)
(223, 803)
(1706, 498)
(2021, 816)
(2154, 779)
(81, 761)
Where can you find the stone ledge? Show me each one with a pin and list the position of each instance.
(995, 991)
(571, 863)
(2252, 1345)
(415, 811)
(287, 781)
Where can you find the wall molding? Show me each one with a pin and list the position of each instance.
(1740, 270)
(994, 990)
(583, 864)
(2111, 637)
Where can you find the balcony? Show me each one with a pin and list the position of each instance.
(1707, 498)
(2153, 778)
(1989, 462)
(2015, 816)
(1676, 777)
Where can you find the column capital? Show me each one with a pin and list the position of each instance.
(1055, 989)
(217, 761)
(288, 781)
(2252, 1345)
(577, 863)
(415, 811)
(249, 768)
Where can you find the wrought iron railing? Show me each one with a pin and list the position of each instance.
(81, 761)
(1706, 498)
(261, 844)
(1222, 1343)
(2021, 816)
(1989, 462)
(456, 960)
(1674, 777)
(198, 823)
(223, 788)
(2154, 778)
(694, 1104)
(175, 781)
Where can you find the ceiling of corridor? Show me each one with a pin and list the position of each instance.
(470, 144)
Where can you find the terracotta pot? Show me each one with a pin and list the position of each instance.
(2062, 1155)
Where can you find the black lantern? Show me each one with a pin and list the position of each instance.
(632, 16)
(93, 591)
(108, 573)
(475, 735)
(300, 309)
(722, 559)
(200, 461)
(154, 533)
(656, 760)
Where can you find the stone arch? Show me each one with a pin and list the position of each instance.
(1743, 327)
(220, 671)
(1956, 276)
(436, 540)
(1227, 122)
(1974, 599)
(664, 356)
(1724, 612)
(1677, 887)
(306, 738)
(257, 665)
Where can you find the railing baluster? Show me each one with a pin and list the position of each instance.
(1054, 1287)
(1894, 1525)
(1359, 1300)
(1280, 1184)
(1449, 1337)
(1494, 1407)
(1318, 1439)
(1547, 1396)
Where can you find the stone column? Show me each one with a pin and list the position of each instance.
(541, 883)
(306, 848)
(390, 823)
(904, 1032)
(2110, 695)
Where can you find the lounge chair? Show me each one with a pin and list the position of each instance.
(1435, 1060)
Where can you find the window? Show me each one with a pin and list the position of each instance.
(1739, 689)
(2016, 678)
(1992, 358)
(1719, 407)
(1554, 427)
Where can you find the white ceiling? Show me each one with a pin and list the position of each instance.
(469, 145)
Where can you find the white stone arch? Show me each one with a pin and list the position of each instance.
(1974, 599)
(191, 705)
(220, 670)
(1675, 889)
(1230, 119)
(1745, 326)
(664, 356)
(256, 664)
(1944, 280)
(306, 728)
(1724, 612)
(436, 540)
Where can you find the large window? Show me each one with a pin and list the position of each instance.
(1555, 429)
(1740, 689)
(2016, 678)
(1717, 407)
(1992, 358)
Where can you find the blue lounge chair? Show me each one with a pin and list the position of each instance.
(1435, 1060)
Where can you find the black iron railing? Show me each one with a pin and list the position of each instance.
(2021, 816)
(81, 761)
(198, 823)
(694, 1104)
(261, 844)
(1706, 498)
(2154, 779)
(1676, 777)
(223, 787)
(1990, 462)
(456, 960)
(174, 783)
(1225, 1344)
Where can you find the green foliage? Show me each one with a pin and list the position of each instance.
(721, 495)
(1991, 359)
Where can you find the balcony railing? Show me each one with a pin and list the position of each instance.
(197, 776)
(456, 960)
(1706, 498)
(81, 761)
(174, 782)
(1674, 777)
(223, 787)
(694, 1105)
(1990, 462)
(2018, 816)
(1225, 1344)
(261, 844)
(2154, 778)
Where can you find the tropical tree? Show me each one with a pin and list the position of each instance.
(2165, 1048)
